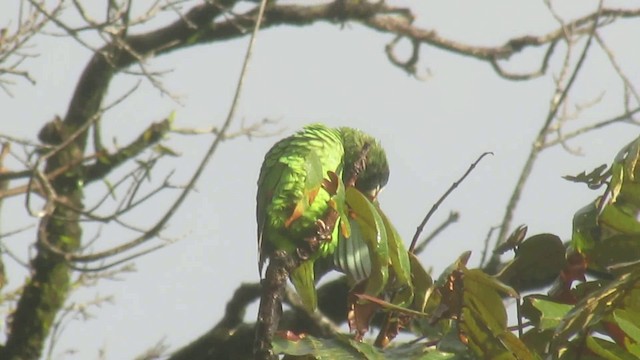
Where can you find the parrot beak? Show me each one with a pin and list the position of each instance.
(373, 193)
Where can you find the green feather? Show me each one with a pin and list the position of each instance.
(376, 173)
(303, 279)
(291, 197)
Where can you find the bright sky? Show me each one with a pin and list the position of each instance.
(432, 130)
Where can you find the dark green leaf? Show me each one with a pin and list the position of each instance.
(596, 178)
(544, 312)
(607, 350)
(538, 261)
(614, 251)
(537, 340)
(483, 321)
(629, 322)
(318, 348)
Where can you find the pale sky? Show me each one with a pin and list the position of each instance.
(432, 129)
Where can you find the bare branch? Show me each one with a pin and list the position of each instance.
(107, 162)
(625, 79)
(437, 204)
(556, 101)
(451, 219)
(12, 43)
(151, 233)
(627, 117)
(254, 130)
(408, 65)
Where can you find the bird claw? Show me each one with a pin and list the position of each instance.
(303, 254)
(323, 234)
(323, 231)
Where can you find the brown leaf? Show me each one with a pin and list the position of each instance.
(360, 312)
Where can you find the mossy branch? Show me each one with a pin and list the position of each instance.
(105, 163)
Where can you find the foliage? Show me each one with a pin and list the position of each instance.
(463, 315)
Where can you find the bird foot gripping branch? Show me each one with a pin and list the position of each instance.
(324, 230)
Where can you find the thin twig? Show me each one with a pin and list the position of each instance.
(627, 117)
(435, 206)
(487, 240)
(539, 142)
(612, 59)
(151, 233)
(453, 217)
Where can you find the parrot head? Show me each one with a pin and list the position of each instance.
(376, 173)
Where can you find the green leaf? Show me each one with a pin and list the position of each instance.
(484, 318)
(422, 284)
(416, 351)
(539, 260)
(596, 178)
(577, 351)
(607, 350)
(633, 348)
(593, 308)
(343, 347)
(483, 278)
(629, 322)
(631, 158)
(615, 218)
(613, 242)
(400, 263)
(607, 231)
(537, 340)
(484, 300)
(544, 312)
(370, 352)
(623, 170)
(375, 235)
(585, 228)
(614, 251)
(615, 184)
(318, 348)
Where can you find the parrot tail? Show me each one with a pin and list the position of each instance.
(303, 280)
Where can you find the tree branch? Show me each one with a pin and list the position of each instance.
(105, 163)
(557, 100)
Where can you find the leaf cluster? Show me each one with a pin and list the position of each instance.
(463, 314)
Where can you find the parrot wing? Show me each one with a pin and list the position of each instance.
(290, 180)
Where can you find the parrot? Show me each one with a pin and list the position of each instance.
(293, 196)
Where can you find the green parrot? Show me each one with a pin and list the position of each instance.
(293, 196)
